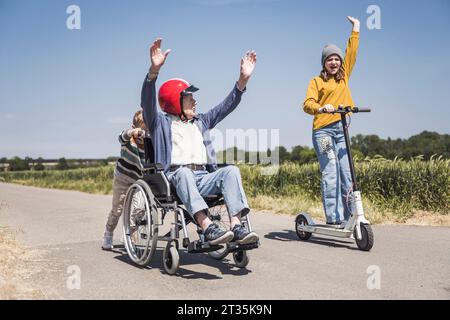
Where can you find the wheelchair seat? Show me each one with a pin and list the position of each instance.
(155, 177)
(165, 191)
(159, 184)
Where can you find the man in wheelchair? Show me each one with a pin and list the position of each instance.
(182, 144)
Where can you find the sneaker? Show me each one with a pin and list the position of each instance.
(243, 236)
(338, 225)
(107, 241)
(215, 235)
(342, 225)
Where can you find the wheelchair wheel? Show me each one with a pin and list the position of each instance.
(241, 258)
(171, 258)
(140, 229)
(219, 215)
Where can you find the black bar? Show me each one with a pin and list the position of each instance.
(349, 151)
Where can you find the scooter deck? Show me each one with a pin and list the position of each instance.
(328, 226)
(329, 230)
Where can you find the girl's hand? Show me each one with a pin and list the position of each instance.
(355, 22)
(326, 108)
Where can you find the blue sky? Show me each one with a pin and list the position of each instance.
(69, 93)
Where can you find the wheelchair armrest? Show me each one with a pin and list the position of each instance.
(156, 167)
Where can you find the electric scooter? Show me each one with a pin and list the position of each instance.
(357, 226)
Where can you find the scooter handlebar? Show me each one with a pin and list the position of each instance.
(351, 109)
(362, 109)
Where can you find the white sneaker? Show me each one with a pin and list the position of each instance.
(342, 225)
(107, 241)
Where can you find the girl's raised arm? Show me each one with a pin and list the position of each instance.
(352, 48)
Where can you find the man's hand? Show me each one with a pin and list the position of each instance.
(248, 63)
(326, 108)
(157, 58)
(355, 22)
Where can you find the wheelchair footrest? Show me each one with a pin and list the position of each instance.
(234, 246)
(198, 247)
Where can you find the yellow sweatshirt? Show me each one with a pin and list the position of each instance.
(321, 92)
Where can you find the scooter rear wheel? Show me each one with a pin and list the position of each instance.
(301, 220)
(366, 242)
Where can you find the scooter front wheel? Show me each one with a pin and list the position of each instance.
(366, 242)
(301, 220)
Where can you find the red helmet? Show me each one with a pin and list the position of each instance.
(170, 94)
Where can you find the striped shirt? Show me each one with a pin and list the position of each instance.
(132, 158)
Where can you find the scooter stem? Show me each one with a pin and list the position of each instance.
(349, 151)
(358, 208)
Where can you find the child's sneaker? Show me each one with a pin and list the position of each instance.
(338, 225)
(107, 241)
(215, 235)
(243, 236)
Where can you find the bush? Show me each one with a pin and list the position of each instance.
(397, 185)
(18, 164)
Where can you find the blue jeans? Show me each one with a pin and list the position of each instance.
(329, 143)
(192, 186)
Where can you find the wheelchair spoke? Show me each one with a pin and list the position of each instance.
(219, 215)
(139, 230)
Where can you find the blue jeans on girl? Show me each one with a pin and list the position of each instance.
(336, 183)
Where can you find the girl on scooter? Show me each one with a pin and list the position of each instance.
(325, 93)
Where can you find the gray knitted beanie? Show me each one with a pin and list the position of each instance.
(329, 50)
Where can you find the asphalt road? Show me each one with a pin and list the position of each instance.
(406, 262)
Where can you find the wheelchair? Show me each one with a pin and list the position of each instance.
(148, 202)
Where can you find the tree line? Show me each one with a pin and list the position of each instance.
(425, 144)
(39, 164)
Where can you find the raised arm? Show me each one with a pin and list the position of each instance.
(148, 94)
(352, 47)
(219, 112)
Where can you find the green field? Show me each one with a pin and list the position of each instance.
(392, 190)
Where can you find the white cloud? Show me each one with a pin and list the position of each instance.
(9, 116)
